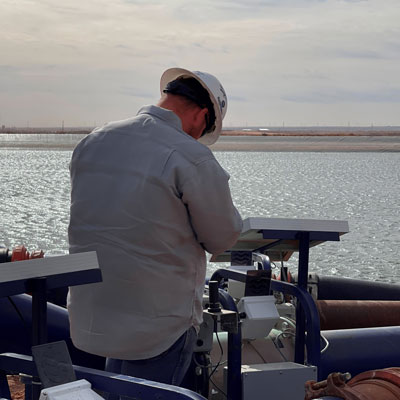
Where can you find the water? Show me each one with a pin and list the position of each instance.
(362, 188)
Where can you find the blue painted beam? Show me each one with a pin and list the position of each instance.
(104, 381)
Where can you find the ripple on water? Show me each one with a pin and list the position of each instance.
(362, 188)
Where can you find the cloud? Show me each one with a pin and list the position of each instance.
(330, 96)
(109, 54)
(240, 99)
(141, 2)
(308, 74)
(363, 54)
(8, 69)
(136, 92)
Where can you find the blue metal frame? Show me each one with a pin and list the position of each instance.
(38, 286)
(234, 378)
(100, 380)
(39, 323)
(307, 320)
(306, 312)
(22, 285)
(304, 245)
(262, 259)
(312, 325)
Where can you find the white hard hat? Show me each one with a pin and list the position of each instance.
(215, 90)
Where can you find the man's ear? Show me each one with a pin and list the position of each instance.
(194, 121)
(201, 114)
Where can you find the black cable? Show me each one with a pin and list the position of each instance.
(18, 312)
(203, 386)
(219, 389)
(219, 362)
(220, 347)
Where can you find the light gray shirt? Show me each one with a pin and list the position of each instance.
(149, 199)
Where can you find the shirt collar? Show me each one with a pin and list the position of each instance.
(166, 115)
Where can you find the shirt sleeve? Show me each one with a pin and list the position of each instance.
(214, 218)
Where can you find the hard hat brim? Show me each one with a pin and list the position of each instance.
(173, 73)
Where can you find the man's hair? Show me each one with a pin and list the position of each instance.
(191, 89)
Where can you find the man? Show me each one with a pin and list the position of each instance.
(150, 198)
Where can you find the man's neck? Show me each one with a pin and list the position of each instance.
(180, 108)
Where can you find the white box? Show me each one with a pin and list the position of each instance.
(235, 288)
(260, 317)
(280, 381)
(77, 390)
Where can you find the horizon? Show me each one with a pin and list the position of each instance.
(224, 128)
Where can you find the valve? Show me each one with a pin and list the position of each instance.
(19, 253)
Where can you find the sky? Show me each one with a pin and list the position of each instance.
(281, 62)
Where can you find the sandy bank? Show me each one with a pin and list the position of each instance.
(312, 132)
(338, 131)
(309, 144)
(249, 142)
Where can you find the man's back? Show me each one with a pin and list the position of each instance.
(149, 199)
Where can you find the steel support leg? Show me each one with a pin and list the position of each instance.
(4, 388)
(39, 323)
(304, 243)
(234, 383)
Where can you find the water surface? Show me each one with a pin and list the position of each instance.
(362, 188)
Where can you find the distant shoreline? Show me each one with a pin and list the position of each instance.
(314, 131)
(306, 132)
(263, 143)
(309, 143)
(237, 140)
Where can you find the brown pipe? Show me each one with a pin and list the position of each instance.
(381, 384)
(349, 314)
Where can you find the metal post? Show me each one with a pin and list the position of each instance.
(234, 380)
(234, 384)
(39, 323)
(4, 388)
(39, 311)
(304, 243)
